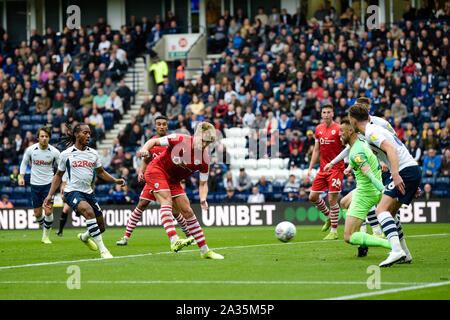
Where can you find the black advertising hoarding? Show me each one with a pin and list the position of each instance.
(230, 214)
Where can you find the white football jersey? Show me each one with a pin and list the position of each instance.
(375, 135)
(79, 166)
(41, 162)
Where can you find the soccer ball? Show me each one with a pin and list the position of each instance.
(285, 231)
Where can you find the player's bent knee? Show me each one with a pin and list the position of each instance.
(313, 196)
(347, 236)
(188, 213)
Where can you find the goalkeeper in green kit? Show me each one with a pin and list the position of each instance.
(368, 190)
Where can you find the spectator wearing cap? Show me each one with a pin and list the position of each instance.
(283, 143)
(5, 203)
(428, 98)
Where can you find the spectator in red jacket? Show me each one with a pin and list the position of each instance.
(221, 108)
(409, 68)
(296, 143)
(399, 129)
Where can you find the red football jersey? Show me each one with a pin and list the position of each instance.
(179, 160)
(157, 150)
(330, 144)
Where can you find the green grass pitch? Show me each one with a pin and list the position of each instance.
(256, 266)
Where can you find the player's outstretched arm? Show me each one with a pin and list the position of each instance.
(341, 156)
(102, 174)
(55, 184)
(365, 169)
(392, 155)
(145, 150)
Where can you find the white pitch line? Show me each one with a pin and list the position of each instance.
(218, 282)
(395, 290)
(186, 251)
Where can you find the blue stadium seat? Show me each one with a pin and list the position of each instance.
(36, 118)
(36, 127)
(21, 202)
(442, 182)
(4, 179)
(27, 127)
(102, 199)
(427, 180)
(20, 191)
(440, 193)
(7, 190)
(25, 119)
(103, 188)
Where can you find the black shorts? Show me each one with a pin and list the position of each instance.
(412, 177)
(74, 198)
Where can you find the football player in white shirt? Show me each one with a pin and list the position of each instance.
(79, 160)
(404, 184)
(42, 157)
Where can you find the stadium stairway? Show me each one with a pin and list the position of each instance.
(138, 70)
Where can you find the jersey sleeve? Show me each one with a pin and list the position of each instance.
(358, 159)
(170, 140)
(375, 137)
(316, 136)
(98, 162)
(62, 162)
(25, 161)
(341, 156)
(56, 155)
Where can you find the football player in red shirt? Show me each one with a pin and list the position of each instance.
(328, 145)
(146, 197)
(184, 156)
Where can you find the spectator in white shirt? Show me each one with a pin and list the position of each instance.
(256, 196)
(114, 104)
(104, 44)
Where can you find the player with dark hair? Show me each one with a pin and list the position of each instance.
(184, 156)
(328, 145)
(401, 188)
(146, 197)
(42, 158)
(79, 160)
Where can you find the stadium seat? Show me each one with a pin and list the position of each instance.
(102, 199)
(281, 175)
(237, 163)
(263, 163)
(36, 118)
(428, 180)
(276, 163)
(6, 190)
(27, 127)
(4, 179)
(250, 164)
(25, 119)
(21, 202)
(442, 182)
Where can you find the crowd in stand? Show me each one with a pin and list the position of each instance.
(274, 72)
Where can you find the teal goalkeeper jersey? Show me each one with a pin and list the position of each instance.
(360, 155)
